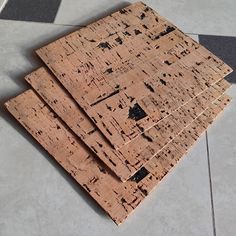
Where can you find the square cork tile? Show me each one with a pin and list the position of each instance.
(116, 198)
(131, 69)
(131, 157)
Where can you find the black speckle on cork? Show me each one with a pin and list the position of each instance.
(163, 81)
(145, 27)
(149, 87)
(136, 112)
(125, 24)
(149, 139)
(91, 40)
(139, 175)
(102, 99)
(109, 107)
(99, 144)
(120, 106)
(198, 63)
(144, 191)
(131, 98)
(167, 63)
(142, 16)
(123, 11)
(92, 131)
(140, 128)
(109, 70)
(117, 87)
(112, 162)
(119, 40)
(123, 200)
(40, 132)
(169, 29)
(137, 32)
(104, 45)
(126, 33)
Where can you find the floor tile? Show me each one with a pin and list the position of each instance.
(204, 17)
(180, 205)
(17, 42)
(194, 36)
(225, 48)
(28, 10)
(38, 198)
(222, 150)
(221, 143)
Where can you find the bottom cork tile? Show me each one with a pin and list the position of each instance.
(117, 198)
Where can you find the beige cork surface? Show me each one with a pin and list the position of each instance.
(126, 161)
(130, 70)
(116, 198)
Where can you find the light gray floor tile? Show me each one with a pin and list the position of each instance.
(194, 36)
(17, 44)
(222, 149)
(215, 17)
(180, 205)
(38, 198)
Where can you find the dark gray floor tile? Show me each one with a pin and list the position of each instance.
(31, 10)
(225, 48)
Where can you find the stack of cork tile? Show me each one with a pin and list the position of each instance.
(120, 101)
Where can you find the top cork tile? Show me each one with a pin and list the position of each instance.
(131, 69)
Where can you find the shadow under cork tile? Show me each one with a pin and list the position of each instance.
(8, 118)
(225, 48)
(31, 10)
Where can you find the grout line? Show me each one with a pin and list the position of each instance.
(82, 26)
(210, 183)
(40, 22)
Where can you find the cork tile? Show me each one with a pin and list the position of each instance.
(116, 198)
(131, 69)
(131, 157)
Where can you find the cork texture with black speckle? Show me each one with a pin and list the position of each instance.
(131, 157)
(131, 69)
(117, 198)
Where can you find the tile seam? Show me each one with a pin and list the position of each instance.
(210, 185)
